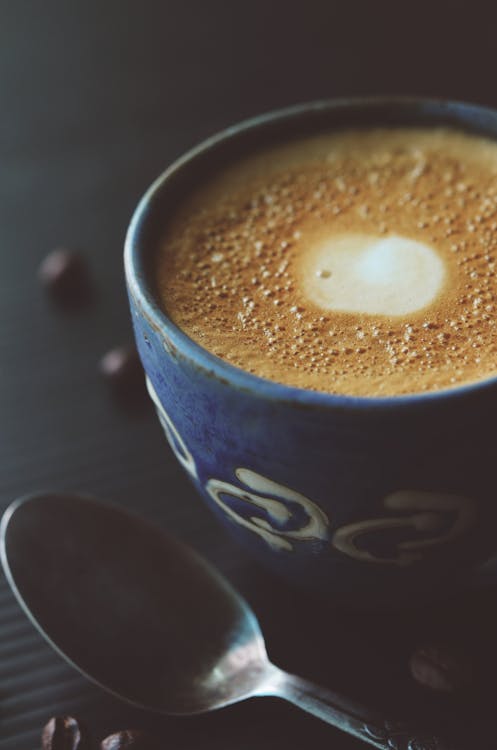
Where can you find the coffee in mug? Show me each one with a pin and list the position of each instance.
(357, 262)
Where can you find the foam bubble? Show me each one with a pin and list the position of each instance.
(378, 276)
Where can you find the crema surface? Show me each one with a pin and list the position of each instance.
(359, 262)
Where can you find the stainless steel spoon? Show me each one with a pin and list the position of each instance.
(146, 618)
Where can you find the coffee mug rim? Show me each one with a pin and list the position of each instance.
(214, 366)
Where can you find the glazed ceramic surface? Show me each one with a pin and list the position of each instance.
(366, 499)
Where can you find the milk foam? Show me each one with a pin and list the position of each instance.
(360, 273)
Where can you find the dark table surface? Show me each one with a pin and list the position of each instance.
(96, 98)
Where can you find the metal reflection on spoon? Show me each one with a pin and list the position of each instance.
(145, 617)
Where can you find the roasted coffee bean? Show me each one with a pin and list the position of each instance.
(441, 668)
(129, 739)
(66, 277)
(64, 733)
(122, 368)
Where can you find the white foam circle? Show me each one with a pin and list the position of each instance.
(361, 273)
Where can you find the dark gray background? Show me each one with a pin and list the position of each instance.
(96, 98)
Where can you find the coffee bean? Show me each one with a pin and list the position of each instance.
(129, 739)
(441, 668)
(64, 733)
(66, 277)
(122, 368)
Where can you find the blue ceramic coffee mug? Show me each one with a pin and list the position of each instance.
(370, 500)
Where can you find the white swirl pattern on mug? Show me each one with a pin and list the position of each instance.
(178, 446)
(429, 511)
(277, 509)
(430, 516)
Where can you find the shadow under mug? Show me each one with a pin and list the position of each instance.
(373, 501)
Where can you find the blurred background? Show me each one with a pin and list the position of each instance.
(96, 98)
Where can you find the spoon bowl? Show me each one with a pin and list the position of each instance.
(146, 618)
(129, 606)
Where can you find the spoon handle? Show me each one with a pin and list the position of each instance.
(347, 716)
